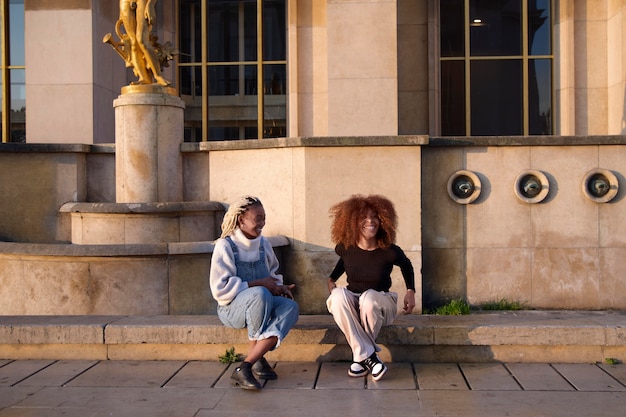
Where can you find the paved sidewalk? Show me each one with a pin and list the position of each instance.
(47, 388)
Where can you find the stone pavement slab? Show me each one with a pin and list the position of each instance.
(489, 377)
(440, 376)
(589, 377)
(128, 374)
(57, 374)
(310, 389)
(538, 377)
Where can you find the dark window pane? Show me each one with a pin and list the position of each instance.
(495, 27)
(190, 31)
(274, 33)
(275, 101)
(453, 98)
(190, 79)
(496, 97)
(224, 133)
(452, 28)
(224, 80)
(223, 31)
(539, 38)
(540, 96)
(250, 31)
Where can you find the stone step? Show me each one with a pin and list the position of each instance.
(523, 336)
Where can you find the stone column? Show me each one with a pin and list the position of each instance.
(148, 134)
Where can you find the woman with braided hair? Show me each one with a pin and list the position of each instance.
(250, 292)
(364, 231)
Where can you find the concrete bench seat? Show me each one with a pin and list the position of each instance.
(524, 336)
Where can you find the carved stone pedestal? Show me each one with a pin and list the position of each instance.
(148, 134)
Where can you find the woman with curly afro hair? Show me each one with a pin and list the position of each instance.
(364, 231)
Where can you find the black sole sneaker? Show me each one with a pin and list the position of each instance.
(357, 370)
(376, 367)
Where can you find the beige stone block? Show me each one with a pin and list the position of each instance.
(547, 354)
(312, 114)
(338, 183)
(311, 13)
(35, 330)
(68, 281)
(564, 12)
(133, 287)
(362, 40)
(612, 229)
(189, 291)
(597, 102)
(587, 10)
(148, 131)
(101, 177)
(171, 329)
(494, 274)
(363, 107)
(443, 276)
(88, 228)
(566, 219)
(270, 185)
(498, 218)
(615, 116)
(413, 61)
(412, 12)
(197, 228)
(43, 184)
(12, 286)
(55, 351)
(595, 69)
(196, 176)
(309, 271)
(60, 121)
(48, 58)
(566, 278)
(615, 72)
(413, 111)
(153, 229)
(612, 262)
(442, 218)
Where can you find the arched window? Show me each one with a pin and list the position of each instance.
(12, 68)
(496, 67)
(230, 50)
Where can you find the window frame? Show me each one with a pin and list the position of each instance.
(204, 65)
(467, 59)
(5, 71)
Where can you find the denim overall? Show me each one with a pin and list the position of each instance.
(265, 315)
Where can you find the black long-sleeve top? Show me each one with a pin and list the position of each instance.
(372, 269)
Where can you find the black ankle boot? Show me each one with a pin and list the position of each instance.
(242, 376)
(264, 370)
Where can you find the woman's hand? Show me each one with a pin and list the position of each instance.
(272, 285)
(409, 302)
(331, 285)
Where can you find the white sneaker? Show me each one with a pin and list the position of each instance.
(356, 370)
(375, 366)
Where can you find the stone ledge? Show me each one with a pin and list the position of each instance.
(519, 336)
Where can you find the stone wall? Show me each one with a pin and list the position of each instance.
(565, 252)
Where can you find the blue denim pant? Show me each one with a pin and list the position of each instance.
(265, 315)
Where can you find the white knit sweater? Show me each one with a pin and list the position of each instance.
(223, 279)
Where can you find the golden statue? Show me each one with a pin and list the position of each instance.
(138, 46)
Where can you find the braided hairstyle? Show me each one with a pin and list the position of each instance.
(346, 217)
(235, 211)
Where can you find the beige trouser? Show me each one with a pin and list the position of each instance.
(361, 316)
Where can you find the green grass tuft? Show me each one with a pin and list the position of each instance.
(230, 356)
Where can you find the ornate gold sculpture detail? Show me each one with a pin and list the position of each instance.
(138, 46)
